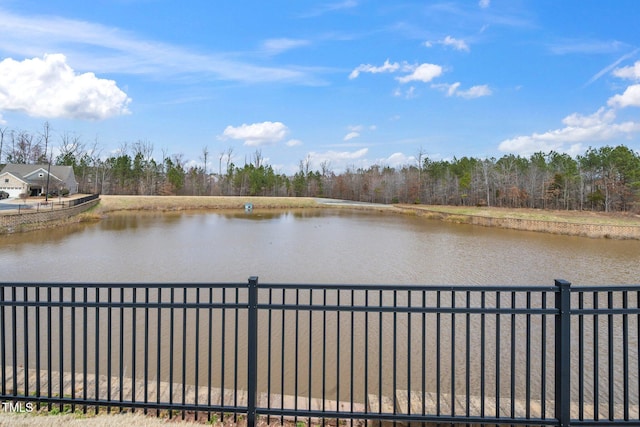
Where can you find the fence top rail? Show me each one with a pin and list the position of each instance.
(286, 286)
(327, 287)
(408, 288)
(118, 285)
(605, 288)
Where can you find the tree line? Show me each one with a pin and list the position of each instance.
(601, 179)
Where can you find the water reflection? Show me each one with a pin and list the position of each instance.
(271, 215)
(303, 246)
(311, 245)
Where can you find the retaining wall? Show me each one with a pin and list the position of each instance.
(11, 221)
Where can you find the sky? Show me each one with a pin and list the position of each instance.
(339, 83)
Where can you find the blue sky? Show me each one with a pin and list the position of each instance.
(347, 82)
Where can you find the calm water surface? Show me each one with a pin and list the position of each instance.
(316, 246)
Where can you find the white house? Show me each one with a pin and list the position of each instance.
(16, 179)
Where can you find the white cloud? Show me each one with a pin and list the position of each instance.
(397, 160)
(408, 94)
(355, 131)
(578, 129)
(343, 160)
(457, 44)
(257, 134)
(453, 89)
(50, 88)
(610, 67)
(423, 73)
(484, 3)
(587, 46)
(598, 118)
(331, 7)
(293, 143)
(475, 92)
(630, 98)
(111, 49)
(449, 88)
(631, 72)
(277, 46)
(472, 92)
(351, 135)
(387, 67)
(339, 159)
(449, 41)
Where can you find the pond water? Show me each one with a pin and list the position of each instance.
(315, 246)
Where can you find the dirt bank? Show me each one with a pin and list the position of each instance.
(572, 223)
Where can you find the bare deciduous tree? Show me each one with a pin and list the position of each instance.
(205, 157)
(46, 133)
(71, 149)
(2, 132)
(257, 158)
(24, 148)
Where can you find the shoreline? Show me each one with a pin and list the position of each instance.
(570, 223)
(182, 203)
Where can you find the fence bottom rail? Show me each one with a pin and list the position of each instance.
(91, 390)
(480, 355)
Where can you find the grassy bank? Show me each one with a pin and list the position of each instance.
(178, 203)
(571, 223)
(592, 224)
(573, 217)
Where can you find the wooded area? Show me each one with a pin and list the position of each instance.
(602, 179)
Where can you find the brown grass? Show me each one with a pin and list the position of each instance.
(125, 419)
(575, 217)
(178, 203)
(70, 420)
(456, 214)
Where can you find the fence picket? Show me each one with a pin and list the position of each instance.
(370, 354)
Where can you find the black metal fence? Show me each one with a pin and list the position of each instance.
(52, 204)
(528, 355)
(81, 200)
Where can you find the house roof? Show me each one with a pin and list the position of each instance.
(30, 173)
(3, 173)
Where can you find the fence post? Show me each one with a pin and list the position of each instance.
(252, 356)
(563, 353)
